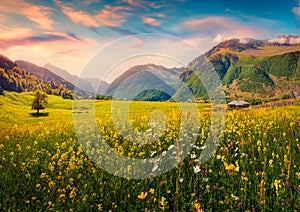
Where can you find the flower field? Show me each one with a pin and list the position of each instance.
(255, 167)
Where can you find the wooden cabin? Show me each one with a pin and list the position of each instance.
(238, 104)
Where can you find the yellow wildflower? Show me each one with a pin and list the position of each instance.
(229, 167)
(197, 206)
(51, 184)
(73, 193)
(277, 184)
(84, 199)
(142, 196)
(62, 197)
(151, 191)
(43, 175)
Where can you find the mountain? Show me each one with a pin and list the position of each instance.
(248, 68)
(87, 84)
(43, 73)
(148, 82)
(14, 78)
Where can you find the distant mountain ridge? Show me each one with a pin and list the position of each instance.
(92, 85)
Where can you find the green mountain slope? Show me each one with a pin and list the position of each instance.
(14, 78)
(145, 82)
(247, 75)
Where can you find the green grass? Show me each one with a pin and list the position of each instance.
(16, 110)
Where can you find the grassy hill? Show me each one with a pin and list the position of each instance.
(245, 75)
(16, 110)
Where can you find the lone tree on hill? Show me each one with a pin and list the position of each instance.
(39, 101)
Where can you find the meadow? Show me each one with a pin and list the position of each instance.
(43, 167)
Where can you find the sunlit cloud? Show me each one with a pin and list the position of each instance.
(206, 32)
(136, 3)
(38, 14)
(64, 49)
(145, 4)
(111, 16)
(78, 17)
(15, 36)
(296, 10)
(150, 21)
(160, 15)
(13, 33)
(218, 28)
(221, 25)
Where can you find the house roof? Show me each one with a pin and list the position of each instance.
(237, 102)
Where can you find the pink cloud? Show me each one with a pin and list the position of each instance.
(144, 4)
(137, 3)
(108, 16)
(54, 47)
(112, 16)
(78, 16)
(160, 15)
(296, 10)
(12, 33)
(150, 21)
(209, 31)
(10, 37)
(38, 14)
(221, 27)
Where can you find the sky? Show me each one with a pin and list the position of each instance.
(71, 34)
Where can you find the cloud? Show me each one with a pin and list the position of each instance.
(150, 21)
(112, 16)
(66, 50)
(78, 17)
(220, 28)
(136, 3)
(17, 36)
(205, 32)
(145, 4)
(88, 2)
(219, 38)
(38, 14)
(160, 15)
(296, 10)
(11, 33)
(285, 40)
(108, 16)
